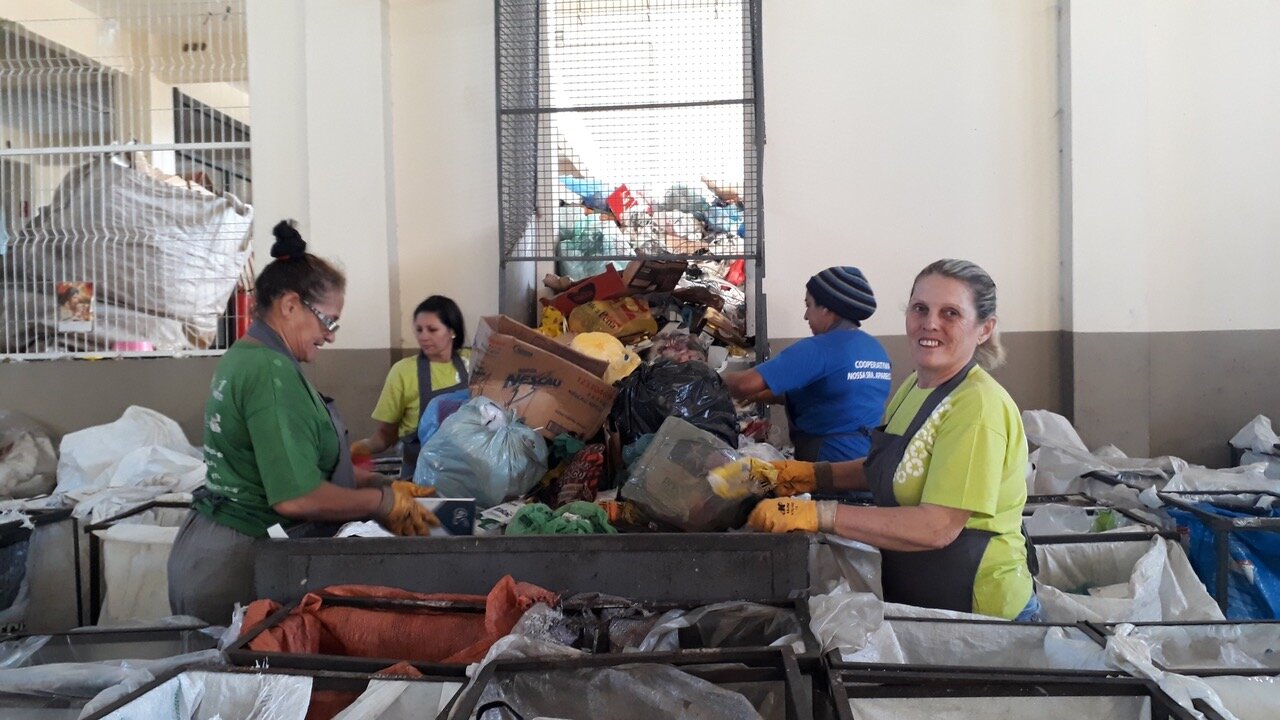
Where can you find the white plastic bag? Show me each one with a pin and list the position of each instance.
(834, 560)
(943, 641)
(109, 467)
(843, 618)
(1048, 429)
(135, 560)
(399, 700)
(202, 695)
(28, 460)
(1120, 582)
(1245, 478)
(1257, 436)
(482, 451)
(1133, 655)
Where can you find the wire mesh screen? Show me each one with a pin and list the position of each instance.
(628, 127)
(125, 179)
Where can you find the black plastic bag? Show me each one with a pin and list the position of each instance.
(691, 391)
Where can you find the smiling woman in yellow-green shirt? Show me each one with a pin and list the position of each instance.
(947, 469)
(439, 366)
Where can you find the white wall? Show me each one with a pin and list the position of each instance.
(1175, 107)
(322, 144)
(444, 136)
(902, 132)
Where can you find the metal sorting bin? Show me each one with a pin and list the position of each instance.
(917, 695)
(589, 620)
(683, 567)
(998, 647)
(1136, 524)
(91, 646)
(158, 508)
(770, 679)
(51, 554)
(334, 684)
(1222, 527)
(1206, 649)
(141, 643)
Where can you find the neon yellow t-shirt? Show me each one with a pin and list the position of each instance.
(398, 402)
(971, 454)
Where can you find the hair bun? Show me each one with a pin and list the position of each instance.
(289, 243)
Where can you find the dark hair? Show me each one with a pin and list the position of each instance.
(991, 353)
(295, 270)
(449, 314)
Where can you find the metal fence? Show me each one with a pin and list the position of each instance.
(125, 178)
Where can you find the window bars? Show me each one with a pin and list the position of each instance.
(625, 128)
(124, 178)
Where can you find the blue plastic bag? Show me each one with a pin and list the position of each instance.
(440, 407)
(1253, 572)
(482, 451)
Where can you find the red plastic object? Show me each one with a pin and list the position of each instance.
(737, 272)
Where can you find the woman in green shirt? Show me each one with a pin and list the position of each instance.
(947, 469)
(274, 447)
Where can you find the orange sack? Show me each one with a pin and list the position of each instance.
(426, 635)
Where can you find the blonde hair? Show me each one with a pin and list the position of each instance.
(990, 354)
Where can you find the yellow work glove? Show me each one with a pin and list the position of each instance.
(749, 476)
(743, 477)
(401, 513)
(781, 515)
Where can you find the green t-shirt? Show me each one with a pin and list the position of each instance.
(971, 454)
(398, 402)
(267, 438)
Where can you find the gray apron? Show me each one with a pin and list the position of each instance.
(410, 445)
(940, 578)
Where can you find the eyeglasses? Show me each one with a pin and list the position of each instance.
(330, 324)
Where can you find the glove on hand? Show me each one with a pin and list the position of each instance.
(792, 515)
(783, 478)
(401, 513)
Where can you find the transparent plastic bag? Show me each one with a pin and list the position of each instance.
(438, 410)
(669, 481)
(725, 625)
(482, 451)
(628, 692)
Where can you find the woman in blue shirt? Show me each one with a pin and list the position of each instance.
(835, 383)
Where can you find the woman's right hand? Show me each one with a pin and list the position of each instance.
(402, 514)
(750, 476)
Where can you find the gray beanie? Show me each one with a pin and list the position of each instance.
(844, 291)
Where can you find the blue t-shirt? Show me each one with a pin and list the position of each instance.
(836, 384)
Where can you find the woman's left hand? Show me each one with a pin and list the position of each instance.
(791, 515)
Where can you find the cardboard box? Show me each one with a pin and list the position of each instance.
(552, 388)
(646, 275)
(605, 286)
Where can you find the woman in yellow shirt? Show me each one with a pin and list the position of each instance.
(947, 469)
(438, 367)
